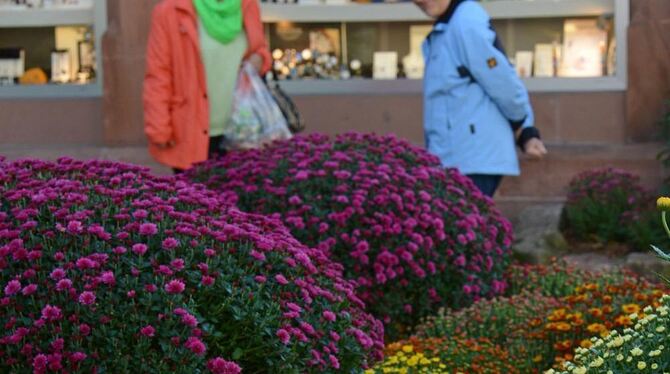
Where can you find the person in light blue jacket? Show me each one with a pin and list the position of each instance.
(475, 105)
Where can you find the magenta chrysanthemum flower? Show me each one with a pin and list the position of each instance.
(195, 345)
(170, 243)
(120, 250)
(51, 313)
(78, 357)
(148, 229)
(283, 336)
(180, 312)
(108, 278)
(140, 249)
(207, 280)
(210, 252)
(177, 264)
(329, 316)
(40, 362)
(334, 362)
(257, 255)
(12, 287)
(57, 274)
(87, 298)
(189, 320)
(281, 279)
(175, 286)
(63, 285)
(148, 331)
(220, 366)
(29, 289)
(260, 279)
(84, 329)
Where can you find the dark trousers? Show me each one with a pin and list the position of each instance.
(216, 149)
(486, 183)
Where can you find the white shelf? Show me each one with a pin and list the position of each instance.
(415, 87)
(408, 12)
(51, 91)
(46, 17)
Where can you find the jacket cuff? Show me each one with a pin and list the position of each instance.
(527, 134)
(516, 125)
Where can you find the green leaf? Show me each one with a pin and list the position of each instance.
(237, 354)
(660, 253)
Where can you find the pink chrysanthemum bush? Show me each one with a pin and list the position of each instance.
(610, 205)
(104, 268)
(413, 236)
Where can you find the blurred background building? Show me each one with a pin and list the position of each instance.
(598, 72)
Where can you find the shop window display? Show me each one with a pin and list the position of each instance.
(551, 43)
(50, 43)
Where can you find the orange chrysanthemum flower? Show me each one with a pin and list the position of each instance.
(596, 312)
(596, 328)
(585, 344)
(630, 308)
(623, 321)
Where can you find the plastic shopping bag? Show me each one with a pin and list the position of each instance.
(256, 119)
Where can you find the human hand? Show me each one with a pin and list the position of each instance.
(256, 61)
(168, 144)
(535, 148)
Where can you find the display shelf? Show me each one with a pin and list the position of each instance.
(511, 10)
(47, 17)
(408, 12)
(94, 15)
(51, 91)
(413, 86)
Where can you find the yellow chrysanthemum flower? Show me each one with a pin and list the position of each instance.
(663, 203)
(641, 365)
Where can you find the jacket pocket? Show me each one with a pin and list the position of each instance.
(178, 116)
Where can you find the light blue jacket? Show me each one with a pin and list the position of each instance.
(472, 95)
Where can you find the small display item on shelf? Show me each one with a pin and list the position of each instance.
(34, 76)
(385, 65)
(544, 60)
(524, 63)
(414, 66)
(356, 67)
(86, 55)
(291, 64)
(61, 69)
(12, 65)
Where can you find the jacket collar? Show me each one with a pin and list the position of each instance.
(451, 9)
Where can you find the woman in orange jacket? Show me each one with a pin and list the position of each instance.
(193, 57)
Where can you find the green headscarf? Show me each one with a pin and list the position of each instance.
(222, 19)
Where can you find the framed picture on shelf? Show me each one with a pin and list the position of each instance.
(584, 45)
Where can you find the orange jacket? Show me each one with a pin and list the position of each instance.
(176, 108)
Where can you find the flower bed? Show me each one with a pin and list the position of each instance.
(453, 354)
(105, 268)
(413, 236)
(640, 348)
(540, 327)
